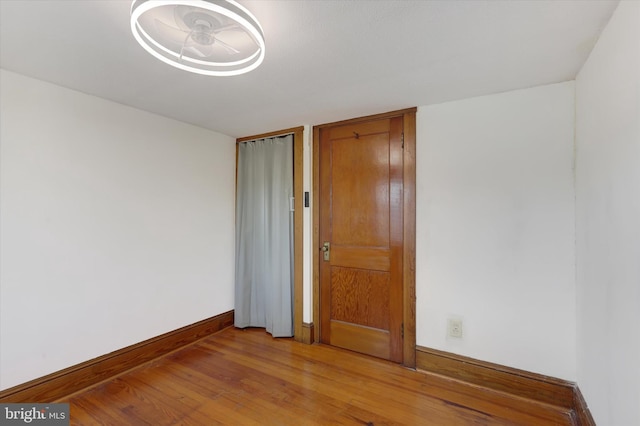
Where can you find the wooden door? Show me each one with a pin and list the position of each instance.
(361, 218)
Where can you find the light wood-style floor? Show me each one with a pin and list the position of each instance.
(245, 377)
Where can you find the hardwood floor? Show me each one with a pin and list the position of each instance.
(245, 377)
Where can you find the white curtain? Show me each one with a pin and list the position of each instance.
(264, 236)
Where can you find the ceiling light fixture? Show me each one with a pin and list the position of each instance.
(210, 37)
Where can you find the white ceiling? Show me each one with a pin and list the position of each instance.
(325, 60)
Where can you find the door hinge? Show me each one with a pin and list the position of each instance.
(402, 330)
(402, 140)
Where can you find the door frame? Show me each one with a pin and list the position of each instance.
(409, 227)
(298, 195)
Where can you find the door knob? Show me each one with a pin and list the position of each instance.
(326, 248)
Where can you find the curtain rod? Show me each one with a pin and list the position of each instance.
(277, 133)
(266, 137)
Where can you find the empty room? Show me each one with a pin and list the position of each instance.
(317, 212)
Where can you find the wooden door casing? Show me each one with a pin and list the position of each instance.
(361, 216)
(298, 308)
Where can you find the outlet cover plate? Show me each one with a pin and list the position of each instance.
(454, 328)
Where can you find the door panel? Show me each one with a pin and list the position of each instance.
(361, 217)
(360, 297)
(361, 167)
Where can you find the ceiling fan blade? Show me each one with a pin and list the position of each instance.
(228, 48)
(230, 27)
(202, 50)
(179, 12)
(169, 32)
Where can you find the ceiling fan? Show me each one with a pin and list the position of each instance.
(199, 29)
(211, 37)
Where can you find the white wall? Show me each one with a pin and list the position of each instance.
(495, 228)
(608, 221)
(116, 225)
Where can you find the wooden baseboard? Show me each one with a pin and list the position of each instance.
(307, 333)
(516, 382)
(62, 383)
(583, 415)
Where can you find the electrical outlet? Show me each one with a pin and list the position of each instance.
(455, 328)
